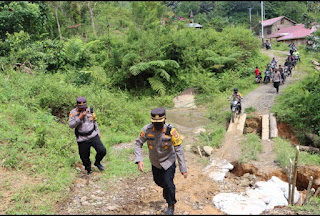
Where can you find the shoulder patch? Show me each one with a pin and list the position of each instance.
(175, 133)
(142, 134)
(71, 115)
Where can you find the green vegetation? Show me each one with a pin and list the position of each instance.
(299, 104)
(250, 147)
(284, 151)
(312, 207)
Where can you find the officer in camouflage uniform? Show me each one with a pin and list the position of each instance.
(84, 120)
(164, 145)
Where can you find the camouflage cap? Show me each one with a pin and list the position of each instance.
(82, 102)
(158, 115)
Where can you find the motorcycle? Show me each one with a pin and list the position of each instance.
(286, 70)
(235, 109)
(268, 46)
(284, 76)
(267, 77)
(258, 78)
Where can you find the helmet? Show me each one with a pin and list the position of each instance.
(235, 89)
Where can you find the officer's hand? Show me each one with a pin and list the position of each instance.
(100, 136)
(140, 166)
(185, 174)
(82, 114)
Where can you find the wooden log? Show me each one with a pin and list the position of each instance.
(273, 126)
(308, 191)
(317, 192)
(294, 176)
(241, 122)
(265, 127)
(199, 151)
(290, 182)
(309, 149)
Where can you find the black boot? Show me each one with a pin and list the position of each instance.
(170, 210)
(99, 165)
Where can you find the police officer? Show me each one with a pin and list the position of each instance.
(164, 145)
(84, 120)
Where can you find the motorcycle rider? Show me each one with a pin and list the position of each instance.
(258, 73)
(283, 75)
(288, 64)
(273, 64)
(296, 55)
(267, 73)
(268, 45)
(236, 95)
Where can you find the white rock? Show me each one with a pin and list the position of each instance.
(208, 150)
(199, 130)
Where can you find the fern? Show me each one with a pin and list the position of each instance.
(157, 85)
(171, 63)
(136, 69)
(73, 49)
(163, 74)
(157, 63)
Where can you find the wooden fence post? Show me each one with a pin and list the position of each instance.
(294, 175)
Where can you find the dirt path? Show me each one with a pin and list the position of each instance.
(194, 195)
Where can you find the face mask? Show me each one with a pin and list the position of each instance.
(158, 126)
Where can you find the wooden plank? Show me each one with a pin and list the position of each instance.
(265, 127)
(241, 122)
(273, 126)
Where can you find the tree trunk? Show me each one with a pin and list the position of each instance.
(58, 24)
(309, 148)
(91, 18)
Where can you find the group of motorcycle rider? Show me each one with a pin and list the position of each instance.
(272, 73)
(290, 63)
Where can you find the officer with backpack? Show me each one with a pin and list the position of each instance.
(165, 146)
(84, 120)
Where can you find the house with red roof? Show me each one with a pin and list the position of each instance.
(296, 34)
(272, 25)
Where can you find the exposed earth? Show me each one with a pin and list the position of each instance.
(140, 195)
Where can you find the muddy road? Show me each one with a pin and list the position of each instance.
(140, 195)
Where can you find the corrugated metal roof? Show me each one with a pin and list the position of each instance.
(286, 30)
(300, 32)
(273, 20)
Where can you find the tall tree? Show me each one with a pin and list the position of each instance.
(91, 18)
(57, 18)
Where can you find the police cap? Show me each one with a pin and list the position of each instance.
(82, 102)
(158, 115)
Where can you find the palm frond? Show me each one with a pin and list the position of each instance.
(157, 63)
(138, 68)
(163, 74)
(171, 63)
(157, 85)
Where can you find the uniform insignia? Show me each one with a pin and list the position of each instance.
(71, 115)
(142, 134)
(175, 133)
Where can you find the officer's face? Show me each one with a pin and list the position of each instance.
(81, 109)
(158, 125)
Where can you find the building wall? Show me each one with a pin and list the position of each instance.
(297, 42)
(275, 26)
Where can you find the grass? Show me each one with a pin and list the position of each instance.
(311, 208)
(250, 147)
(284, 151)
